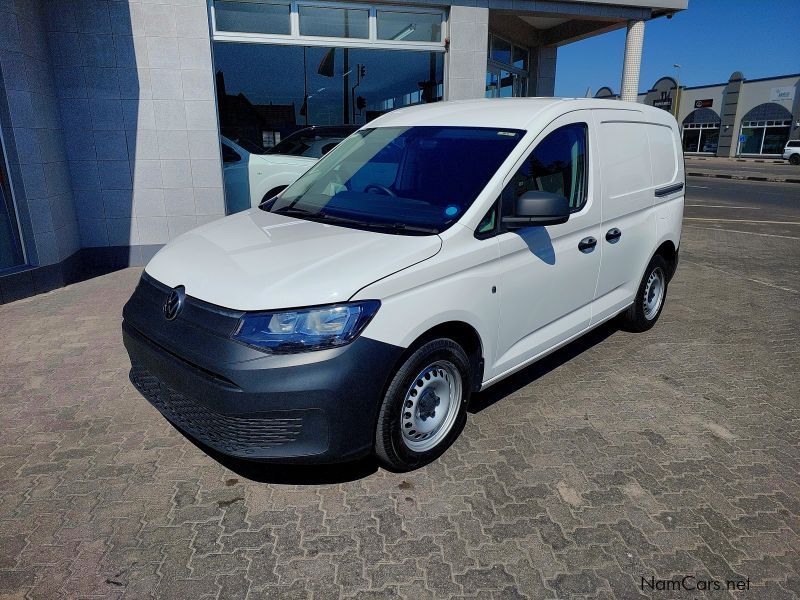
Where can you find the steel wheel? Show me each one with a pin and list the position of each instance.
(654, 293)
(431, 406)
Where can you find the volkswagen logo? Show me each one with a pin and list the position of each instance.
(174, 302)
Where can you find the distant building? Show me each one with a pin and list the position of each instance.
(742, 117)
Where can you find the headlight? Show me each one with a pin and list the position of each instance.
(305, 329)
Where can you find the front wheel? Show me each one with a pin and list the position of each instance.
(424, 408)
(650, 297)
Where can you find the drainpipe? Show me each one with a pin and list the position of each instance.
(629, 89)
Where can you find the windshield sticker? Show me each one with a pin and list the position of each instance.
(509, 133)
(451, 211)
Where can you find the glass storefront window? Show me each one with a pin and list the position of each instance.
(269, 91)
(520, 58)
(775, 139)
(411, 27)
(252, 17)
(501, 50)
(753, 138)
(691, 140)
(506, 84)
(492, 84)
(334, 22)
(10, 243)
(710, 140)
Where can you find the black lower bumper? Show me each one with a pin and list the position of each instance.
(313, 407)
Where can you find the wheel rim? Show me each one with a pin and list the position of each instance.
(431, 406)
(653, 293)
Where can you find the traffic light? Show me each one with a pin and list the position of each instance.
(361, 103)
(362, 70)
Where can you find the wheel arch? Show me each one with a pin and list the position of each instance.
(669, 252)
(461, 332)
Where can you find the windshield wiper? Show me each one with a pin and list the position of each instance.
(405, 227)
(293, 210)
(336, 219)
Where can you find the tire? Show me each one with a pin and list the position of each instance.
(435, 383)
(650, 297)
(794, 159)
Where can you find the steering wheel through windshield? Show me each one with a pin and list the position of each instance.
(379, 188)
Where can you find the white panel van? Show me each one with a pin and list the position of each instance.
(432, 253)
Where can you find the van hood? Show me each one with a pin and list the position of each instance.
(283, 159)
(256, 260)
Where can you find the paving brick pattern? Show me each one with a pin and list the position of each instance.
(624, 456)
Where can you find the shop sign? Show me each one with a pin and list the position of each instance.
(664, 102)
(707, 103)
(781, 94)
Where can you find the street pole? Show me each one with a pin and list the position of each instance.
(305, 84)
(346, 71)
(677, 89)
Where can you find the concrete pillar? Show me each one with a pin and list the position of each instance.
(466, 59)
(629, 88)
(543, 79)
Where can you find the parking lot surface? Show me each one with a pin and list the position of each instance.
(619, 459)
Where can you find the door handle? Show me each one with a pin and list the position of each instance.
(587, 244)
(613, 235)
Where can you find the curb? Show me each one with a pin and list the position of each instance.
(742, 177)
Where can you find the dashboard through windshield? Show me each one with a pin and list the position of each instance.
(404, 180)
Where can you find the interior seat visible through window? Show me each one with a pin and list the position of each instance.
(558, 164)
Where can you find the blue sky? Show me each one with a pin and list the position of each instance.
(710, 40)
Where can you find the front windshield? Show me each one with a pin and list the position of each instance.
(412, 180)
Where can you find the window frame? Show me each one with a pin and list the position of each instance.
(498, 202)
(508, 66)
(372, 41)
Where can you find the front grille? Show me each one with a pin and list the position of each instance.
(233, 435)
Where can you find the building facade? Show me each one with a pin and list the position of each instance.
(111, 111)
(741, 117)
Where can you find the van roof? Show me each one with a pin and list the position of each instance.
(505, 113)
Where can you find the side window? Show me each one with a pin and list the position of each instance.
(558, 164)
(488, 225)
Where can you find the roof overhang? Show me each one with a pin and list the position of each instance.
(552, 23)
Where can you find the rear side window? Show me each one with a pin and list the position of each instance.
(558, 164)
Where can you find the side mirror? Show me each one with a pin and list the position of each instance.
(538, 208)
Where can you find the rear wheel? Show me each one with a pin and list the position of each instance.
(795, 159)
(424, 408)
(650, 297)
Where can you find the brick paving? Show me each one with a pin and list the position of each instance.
(623, 456)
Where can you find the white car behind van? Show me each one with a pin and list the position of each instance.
(254, 174)
(792, 152)
(434, 252)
